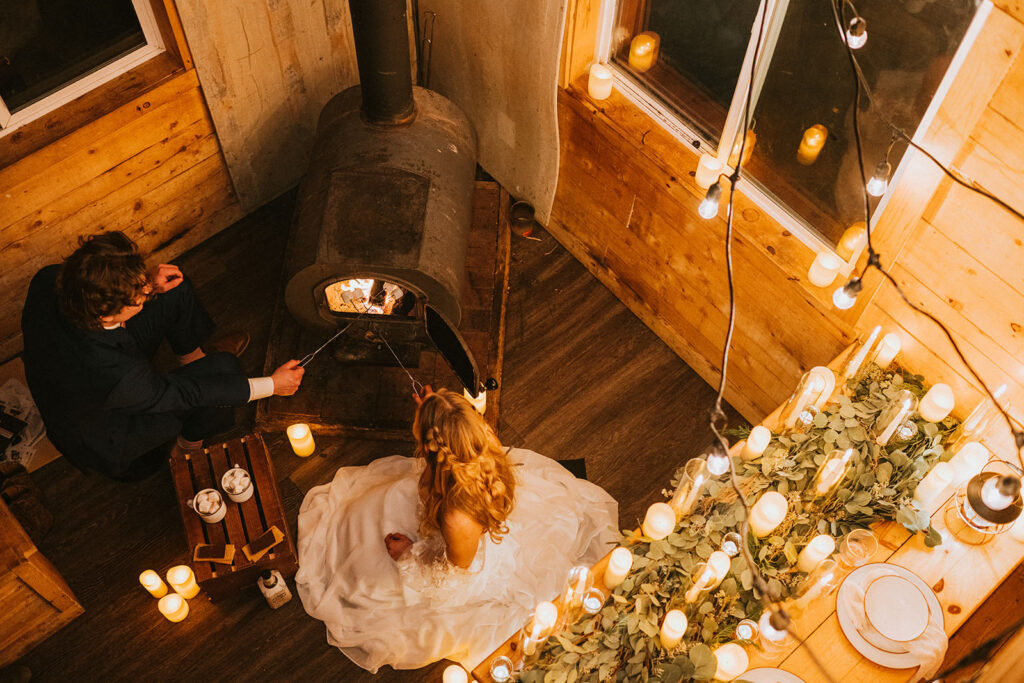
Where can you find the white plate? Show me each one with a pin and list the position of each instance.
(896, 608)
(893, 660)
(767, 675)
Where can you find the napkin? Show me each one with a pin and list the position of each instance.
(929, 648)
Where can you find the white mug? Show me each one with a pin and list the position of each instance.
(210, 517)
(242, 495)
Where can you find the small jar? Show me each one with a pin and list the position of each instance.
(274, 588)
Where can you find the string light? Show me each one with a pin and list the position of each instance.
(879, 182)
(718, 463)
(846, 296)
(857, 33)
(709, 206)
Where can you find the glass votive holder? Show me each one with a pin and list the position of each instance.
(691, 486)
(501, 669)
(747, 630)
(772, 639)
(731, 544)
(593, 601)
(858, 548)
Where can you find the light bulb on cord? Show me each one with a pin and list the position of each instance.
(879, 182)
(709, 206)
(718, 463)
(846, 296)
(857, 33)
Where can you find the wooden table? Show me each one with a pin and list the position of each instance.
(961, 575)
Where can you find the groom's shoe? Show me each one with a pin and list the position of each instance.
(234, 343)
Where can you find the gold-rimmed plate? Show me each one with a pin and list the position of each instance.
(896, 608)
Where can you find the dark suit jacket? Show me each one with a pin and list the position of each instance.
(101, 399)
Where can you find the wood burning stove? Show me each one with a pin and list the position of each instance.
(383, 214)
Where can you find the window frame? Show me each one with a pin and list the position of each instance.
(677, 125)
(156, 44)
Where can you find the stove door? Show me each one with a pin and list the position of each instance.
(453, 348)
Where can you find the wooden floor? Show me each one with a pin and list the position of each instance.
(583, 379)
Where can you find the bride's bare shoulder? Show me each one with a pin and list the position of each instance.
(457, 522)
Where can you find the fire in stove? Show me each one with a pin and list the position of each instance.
(365, 295)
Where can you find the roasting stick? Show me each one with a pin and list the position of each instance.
(416, 386)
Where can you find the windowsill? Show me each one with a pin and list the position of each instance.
(33, 135)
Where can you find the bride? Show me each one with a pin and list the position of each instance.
(444, 555)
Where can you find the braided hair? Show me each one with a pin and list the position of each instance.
(466, 467)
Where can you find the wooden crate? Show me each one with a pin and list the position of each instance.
(243, 522)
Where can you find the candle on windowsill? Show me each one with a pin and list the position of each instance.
(599, 84)
(642, 52)
(937, 403)
(152, 582)
(455, 674)
(732, 661)
(619, 564)
(673, 627)
(853, 241)
(968, 461)
(810, 145)
(887, 349)
(173, 607)
(301, 439)
(659, 521)
(814, 552)
(183, 581)
(747, 142)
(767, 513)
(824, 269)
(933, 484)
(708, 170)
(756, 442)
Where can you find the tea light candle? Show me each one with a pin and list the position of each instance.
(756, 442)
(933, 483)
(937, 403)
(887, 350)
(673, 626)
(767, 513)
(968, 461)
(301, 439)
(183, 581)
(152, 582)
(824, 269)
(746, 630)
(768, 632)
(810, 145)
(642, 50)
(853, 241)
(814, 552)
(708, 170)
(173, 607)
(732, 661)
(599, 85)
(659, 521)
(619, 564)
(455, 674)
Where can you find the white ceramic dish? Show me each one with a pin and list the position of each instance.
(882, 655)
(896, 608)
(768, 675)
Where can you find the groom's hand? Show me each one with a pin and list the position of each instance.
(164, 278)
(287, 378)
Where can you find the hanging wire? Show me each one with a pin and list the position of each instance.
(874, 259)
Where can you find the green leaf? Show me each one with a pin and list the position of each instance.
(671, 673)
(704, 662)
(932, 537)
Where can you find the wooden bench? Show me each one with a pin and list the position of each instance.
(197, 470)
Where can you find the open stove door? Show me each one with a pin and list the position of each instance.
(453, 348)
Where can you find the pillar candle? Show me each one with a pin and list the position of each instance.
(152, 582)
(642, 51)
(455, 674)
(810, 145)
(937, 403)
(860, 354)
(853, 241)
(173, 607)
(708, 170)
(732, 661)
(824, 269)
(887, 350)
(619, 564)
(767, 513)
(659, 521)
(828, 380)
(748, 148)
(183, 581)
(599, 85)
(545, 614)
(673, 626)
(933, 483)
(756, 442)
(832, 471)
(301, 439)
(814, 552)
(968, 461)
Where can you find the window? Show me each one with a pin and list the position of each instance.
(52, 51)
(694, 58)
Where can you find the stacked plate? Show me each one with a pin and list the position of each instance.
(897, 608)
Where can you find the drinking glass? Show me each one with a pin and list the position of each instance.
(858, 548)
(501, 669)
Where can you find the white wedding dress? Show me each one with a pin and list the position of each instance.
(410, 613)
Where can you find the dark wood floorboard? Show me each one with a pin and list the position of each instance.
(584, 378)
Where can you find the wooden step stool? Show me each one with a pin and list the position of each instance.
(197, 470)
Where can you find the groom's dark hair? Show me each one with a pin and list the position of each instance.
(104, 275)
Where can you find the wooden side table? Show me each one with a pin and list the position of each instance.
(197, 470)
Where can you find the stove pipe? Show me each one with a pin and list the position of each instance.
(380, 32)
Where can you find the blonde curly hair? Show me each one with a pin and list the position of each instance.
(466, 467)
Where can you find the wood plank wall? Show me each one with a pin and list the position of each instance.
(626, 207)
(151, 168)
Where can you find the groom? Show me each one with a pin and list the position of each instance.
(91, 326)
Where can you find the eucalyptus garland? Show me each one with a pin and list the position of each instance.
(621, 643)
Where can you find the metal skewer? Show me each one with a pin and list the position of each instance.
(310, 356)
